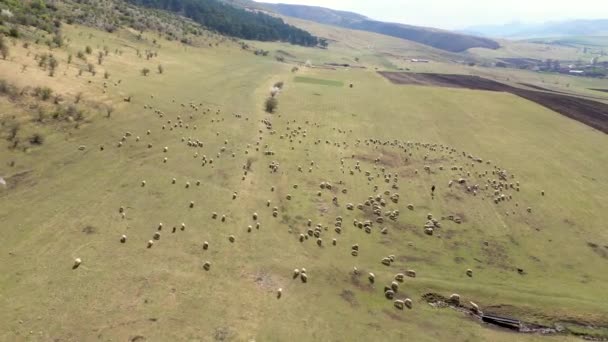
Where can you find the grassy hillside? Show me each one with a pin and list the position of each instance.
(439, 39)
(63, 199)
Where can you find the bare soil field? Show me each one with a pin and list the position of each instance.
(591, 113)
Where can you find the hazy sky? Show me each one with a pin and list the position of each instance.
(455, 14)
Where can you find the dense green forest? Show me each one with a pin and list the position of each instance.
(232, 21)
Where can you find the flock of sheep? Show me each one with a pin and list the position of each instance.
(468, 175)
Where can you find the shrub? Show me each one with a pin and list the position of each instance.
(81, 55)
(4, 50)
(13, 130)
(145, 71)
(43, 93)
(13, 32)
(160, 69)
(106, 75)
(37, 139)
(88, 50)
(53, 63)
(279, 85)
(271, 104)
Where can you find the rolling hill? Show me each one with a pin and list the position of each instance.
(591, 27)
(148, 193)
(440, 39)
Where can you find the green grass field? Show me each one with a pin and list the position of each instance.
(317, 81)
(62, 203)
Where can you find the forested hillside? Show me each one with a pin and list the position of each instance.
(232, 21)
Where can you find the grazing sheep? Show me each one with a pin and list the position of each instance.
(304, 277)
(205, 245)
(123, 239)
(399, 304)
(389, 294)
(475, 308)
(207, 265)
(231, 238)
(150, 243)
(410, 273)
(255, 216)
(320, 242)
(454, 299)
(386, 261)
(143, 183)
(399, 277)
(191, 204)
(156, 236)
(77, 262)
(470, 272)
(371, 277)
(394, 286)
(279, 292)
(408, 303)
(296, 273)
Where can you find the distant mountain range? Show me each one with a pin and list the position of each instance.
(440, 39)
(582, 27)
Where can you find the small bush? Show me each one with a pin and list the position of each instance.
(4, 49)
(88, 50)
(43, 93)
(145, 71)
(37, 139)
(161, 69)
(13, 32)
(271, 104)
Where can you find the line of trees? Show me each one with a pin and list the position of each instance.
(233, 21)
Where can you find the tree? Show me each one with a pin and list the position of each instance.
(4, 50)
(145, 71)
(53, 64)
(271, 104)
